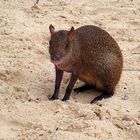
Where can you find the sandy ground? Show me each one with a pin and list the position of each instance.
(27, 76)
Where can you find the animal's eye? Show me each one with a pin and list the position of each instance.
(67, 45)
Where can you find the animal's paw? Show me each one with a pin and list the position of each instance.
(65, 99)
(77, 90)
(94, 101)
(53, 98)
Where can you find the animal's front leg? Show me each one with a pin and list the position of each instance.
(70, 86)
(58, 79)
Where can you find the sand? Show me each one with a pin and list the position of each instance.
(27, 75)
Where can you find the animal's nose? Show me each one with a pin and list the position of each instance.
(56, 57)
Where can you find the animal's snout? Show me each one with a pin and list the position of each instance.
(56, 59)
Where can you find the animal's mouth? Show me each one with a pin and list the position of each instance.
(57, 60)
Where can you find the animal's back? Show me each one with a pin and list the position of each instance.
(94, 39)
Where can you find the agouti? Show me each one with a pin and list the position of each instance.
(88, 53)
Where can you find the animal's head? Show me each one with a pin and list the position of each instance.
(60, 45)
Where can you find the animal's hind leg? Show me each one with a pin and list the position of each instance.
(83, 88)
(104, 95)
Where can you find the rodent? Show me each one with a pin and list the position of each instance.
(91, 55)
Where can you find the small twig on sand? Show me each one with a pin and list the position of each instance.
(37, 1)
(35, 6)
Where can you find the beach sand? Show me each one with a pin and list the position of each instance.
(27, 75)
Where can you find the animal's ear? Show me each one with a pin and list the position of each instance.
(71, 33)
(51, 28)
